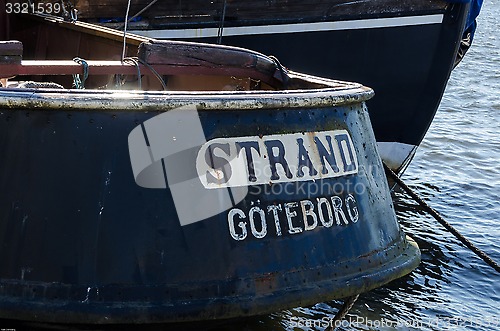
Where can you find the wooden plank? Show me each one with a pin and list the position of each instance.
(38, 67)
(204, 55)
(11, 51)
(55, 67)
(211, 58)
(11, 47)
(90, 29)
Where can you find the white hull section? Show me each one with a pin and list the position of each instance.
(396, 155)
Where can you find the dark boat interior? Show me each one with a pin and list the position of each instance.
(46, 49)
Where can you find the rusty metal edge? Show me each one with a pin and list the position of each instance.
(330, 93)
(105, 313)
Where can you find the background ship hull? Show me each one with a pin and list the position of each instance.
(405, 51)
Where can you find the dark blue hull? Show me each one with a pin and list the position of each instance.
(405, 52)
(86, 241)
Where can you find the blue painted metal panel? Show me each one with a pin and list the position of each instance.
(82, 242)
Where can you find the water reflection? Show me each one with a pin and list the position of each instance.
(433, 297)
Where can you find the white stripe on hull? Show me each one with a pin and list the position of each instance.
(396, 155)
(293, 28)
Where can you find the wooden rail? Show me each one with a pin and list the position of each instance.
(46, 67)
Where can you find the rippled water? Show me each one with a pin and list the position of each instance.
(456, 170)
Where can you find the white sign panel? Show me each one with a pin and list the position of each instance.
(245, 161)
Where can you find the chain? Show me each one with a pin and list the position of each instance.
(78, 83)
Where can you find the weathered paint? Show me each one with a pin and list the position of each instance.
(254, 160)
(323, 211)
(83, 243)
(317, 92)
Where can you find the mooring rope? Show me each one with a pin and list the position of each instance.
(348, 303)
(157, 75)
(221, 24)
(125, 30)
(135, 62)
(138, 13)
(443, 222)
(78, 82)
(283, 72)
